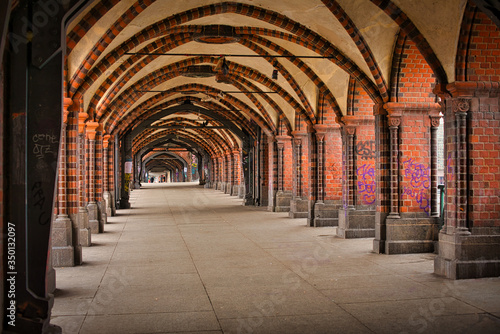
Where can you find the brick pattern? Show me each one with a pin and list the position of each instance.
(482, 62)
(360, 42)
(242, 9)
(412, 78)
(109, 35)
(91, 18)
(409, 29)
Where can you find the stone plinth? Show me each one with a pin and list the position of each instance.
(84, 234)
(282, 202)
(356, 224)
(410, 234)
(93, 217)
(465, 255)
(299, 208)
(63, 253)
(325, 214)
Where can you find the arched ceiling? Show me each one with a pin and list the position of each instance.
(118, 63)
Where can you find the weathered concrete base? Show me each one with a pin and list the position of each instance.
(103, 218)
(93, 217)
(282, 202)
(137, 185)
(235, 190)
(63, 252)
(77, 248)
(380, 232)
(299, 208)
(241, 191)
(411, 233)
(228, 188)
(325, 214)
(84, 234)
(108, 203)
(356, 223)
(463, 255)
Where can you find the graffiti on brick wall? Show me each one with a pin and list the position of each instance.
(418, 176)
(365, 149)
(366, 183)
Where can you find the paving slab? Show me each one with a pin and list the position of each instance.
(185, 259)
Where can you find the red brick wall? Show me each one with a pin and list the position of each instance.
(364, 155)
(484, 164)
(333, 164)
(288, 166)
(412, 78)
(414, 162)
(483, 56)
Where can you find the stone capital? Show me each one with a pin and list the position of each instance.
(394, 120)
(283, 139)
(67, 102)
(92, 130)
(82, 116)
(435, 120)
(105, 141)
(320, 128)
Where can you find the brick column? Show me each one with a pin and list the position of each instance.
(107, 195)
(349, 133)
(66, 252)
(92, 205)
(394, 123)
(229, 179)
(469, 242)
(236, 173)
(284, 193)
(84, 235)
(435, 120)
(299, 205)
(320, 143)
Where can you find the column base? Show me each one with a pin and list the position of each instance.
(241, 191)
(137, 185)
(103, 217)
(299, 208)
(108, 202)
(282, 201)
(228, 188)
(325, 214)
(465, 255)
(84, 235)
(410, 234)
(93, 217)
(356, 224)
(63, 252)
(235, 190)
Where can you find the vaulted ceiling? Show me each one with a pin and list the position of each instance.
(211, 63)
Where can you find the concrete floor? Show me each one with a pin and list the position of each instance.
(190, 260)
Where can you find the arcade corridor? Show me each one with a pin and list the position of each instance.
(193, 260)
(231, 141)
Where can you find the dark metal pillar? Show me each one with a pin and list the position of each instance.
(32, 143)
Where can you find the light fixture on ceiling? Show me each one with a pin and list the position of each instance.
(275, 71)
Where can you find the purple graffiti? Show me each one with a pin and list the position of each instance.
(418, 174)
(366, 183)
(420, 195)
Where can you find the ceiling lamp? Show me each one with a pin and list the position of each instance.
(198, 71)
(217, 34)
